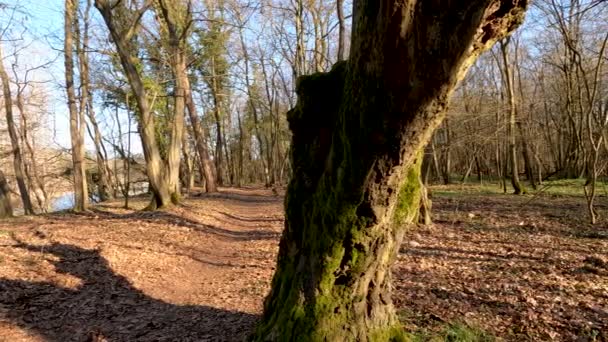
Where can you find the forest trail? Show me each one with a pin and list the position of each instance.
(520, 268)
(193, 273)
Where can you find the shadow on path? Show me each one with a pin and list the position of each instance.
(163, 217)
(106, 307)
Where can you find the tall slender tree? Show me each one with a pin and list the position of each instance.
(341, 30)
(163, 173)
(77, 121)
(511, 132)
(14, 137)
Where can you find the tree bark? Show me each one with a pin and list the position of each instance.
(76, 114)
(446, 167)
(12, 132)
(105, 186)
(206, 164)
(175, 18)
(159, 170)
(357, 134)
(341, 30)
(518, 188)
(36, 184)
(6, 209)
(106, 190)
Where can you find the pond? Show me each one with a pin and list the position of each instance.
(66, 200)
(63, 202)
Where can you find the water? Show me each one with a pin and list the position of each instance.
(66, 201)
(63, 202)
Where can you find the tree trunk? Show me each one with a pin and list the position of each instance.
(186, 167)
(424, 214)
(218, 146)
(479, 171)
(36, 183)
(76, 115)
(517, 186)
(106, 188)
(177, 129)
(465, 177)
(12, 132)
(341, 30)
(6, 209)
(162, 176)
(252, 105)
(357, 134)
(528, 166)
(299, 64)
(206, 164)
(447, 155)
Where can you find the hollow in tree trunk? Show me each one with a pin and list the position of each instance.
(357, 134)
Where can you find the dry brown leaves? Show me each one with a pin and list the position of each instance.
(193, 273)
(199, 272)
(520, 268)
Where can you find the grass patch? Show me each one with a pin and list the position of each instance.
(571, 187)
(456, 190)
(562, 187)
(464, 333)
(424, 328)
(455, 332)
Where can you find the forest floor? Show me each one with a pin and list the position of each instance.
(514, 267)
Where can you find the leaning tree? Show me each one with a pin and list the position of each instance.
(357, 136)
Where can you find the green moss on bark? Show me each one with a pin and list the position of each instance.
(407, 207)
(328, 246)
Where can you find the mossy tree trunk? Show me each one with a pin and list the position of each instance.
(357, 134)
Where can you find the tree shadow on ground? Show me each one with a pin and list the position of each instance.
(233, 194)
(163, 217)
(251, 219)
(106, 306)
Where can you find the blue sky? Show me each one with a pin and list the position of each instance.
(41, 22)
(42, 25)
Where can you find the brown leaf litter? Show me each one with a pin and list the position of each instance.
(199, 272)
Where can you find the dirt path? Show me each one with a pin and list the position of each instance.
(194, 273)
(521, 271)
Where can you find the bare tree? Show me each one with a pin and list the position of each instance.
(77, 121)
(508, 81)
(341, 30)
(123, 24)
(14, 137)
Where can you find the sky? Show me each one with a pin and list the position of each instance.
(40, 23)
